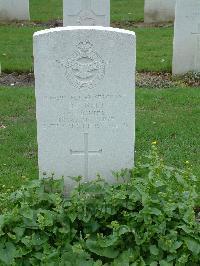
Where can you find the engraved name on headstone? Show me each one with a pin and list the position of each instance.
(85, 101)
(14, 10)
(156, 11)
(86, 13)
(186, 47)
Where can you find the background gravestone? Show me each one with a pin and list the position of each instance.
(186, 52)
(14, 10)
(85, 100)
(86, 13)
(159, 11)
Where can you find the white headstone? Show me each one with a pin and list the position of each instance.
(14, 10)
(186, 51)
(156, 11)
(86, 13)
(85, 101)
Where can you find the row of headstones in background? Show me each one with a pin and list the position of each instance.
(75, 13)
(85, 101)
(14, 10)
(186, 46)
(157, 11)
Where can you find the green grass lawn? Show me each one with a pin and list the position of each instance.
(121, 10)
(154, 48)
(170, 116)
(16, 48)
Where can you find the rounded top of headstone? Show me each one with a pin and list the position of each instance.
(77, 28)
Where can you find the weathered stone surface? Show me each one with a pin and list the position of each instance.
(86, 13)
(156, 11)
(14, 10)
(85, 101)
(186, 50)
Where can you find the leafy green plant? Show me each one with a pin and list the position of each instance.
(146, 218)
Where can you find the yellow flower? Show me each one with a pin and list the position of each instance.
(186, 162)
(154, 142)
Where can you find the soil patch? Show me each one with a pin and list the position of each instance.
(166, 80)
(59, 23)
(154, 80)
(17, 80)
(133, 24)
(143, 80)
(48, 24)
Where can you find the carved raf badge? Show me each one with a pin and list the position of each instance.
(85, 68)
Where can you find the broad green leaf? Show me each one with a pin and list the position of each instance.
(38, 255)
(159, 183)
(153, 263)
(27, 213)
(26, 241)
(183, 259)
(154, 250)
(2, 220)
(155, 211)
(176, 245)
(72, 216)
(108, 241)
(123, 229)
(7, 253)
(19, 231)
(193, 245)
(108, 252)
(165, 263)
(38, 240)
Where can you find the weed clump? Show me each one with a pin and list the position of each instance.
(146, 218)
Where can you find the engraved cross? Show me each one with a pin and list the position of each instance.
(87, 16)
(86, 152)
(197, 49)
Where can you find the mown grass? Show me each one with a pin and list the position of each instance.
(154, 48)
(172, 118)
(18, 156)
(45, 10)
(121, 10)
(169, 116)
(16, 48)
